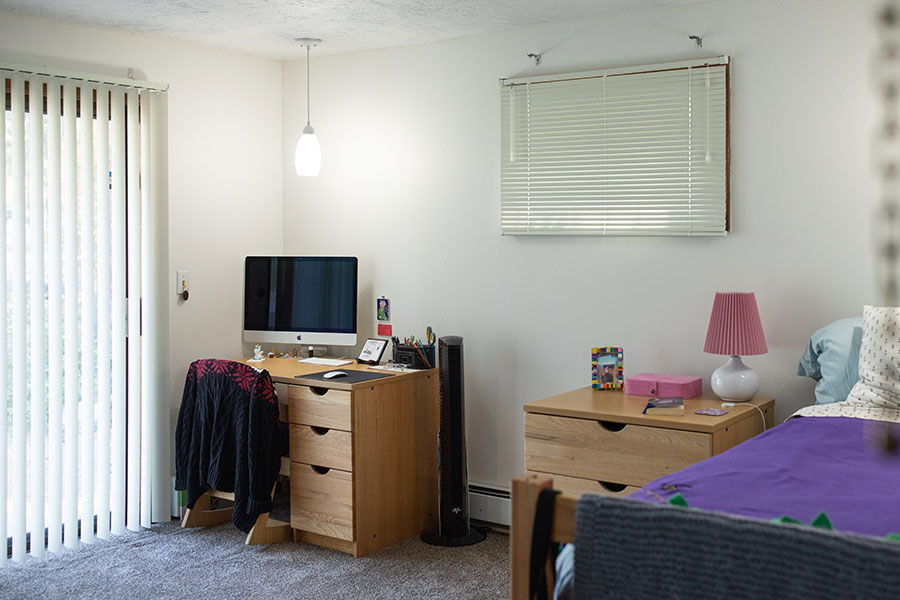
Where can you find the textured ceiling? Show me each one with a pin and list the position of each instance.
(268, 28)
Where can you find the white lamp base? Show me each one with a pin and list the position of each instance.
(734, 381)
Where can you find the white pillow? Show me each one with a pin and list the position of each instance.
(879, 359)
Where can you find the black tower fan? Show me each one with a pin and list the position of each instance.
(453, 489)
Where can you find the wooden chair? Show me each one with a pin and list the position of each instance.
(264, 531)
(234, 382)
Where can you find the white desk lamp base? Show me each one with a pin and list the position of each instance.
(734, 381)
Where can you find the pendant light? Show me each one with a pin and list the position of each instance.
(308, 155)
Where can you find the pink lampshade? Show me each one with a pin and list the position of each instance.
(734, 326)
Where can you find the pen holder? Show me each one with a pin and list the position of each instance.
(408, 355)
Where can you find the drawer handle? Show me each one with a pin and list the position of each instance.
(319, 430)
(320, 470)
(318, 391)
(612, 425)
(612, 487)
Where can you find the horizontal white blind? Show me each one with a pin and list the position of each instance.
(638, 153)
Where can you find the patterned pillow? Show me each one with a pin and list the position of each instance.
(879, 359)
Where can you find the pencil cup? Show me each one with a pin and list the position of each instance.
(410, 356)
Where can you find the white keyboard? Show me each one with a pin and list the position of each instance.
(328, 362)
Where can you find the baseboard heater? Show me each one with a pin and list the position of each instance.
(489, 504)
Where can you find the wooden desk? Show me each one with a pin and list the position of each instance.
(363, 455)
(599, 441)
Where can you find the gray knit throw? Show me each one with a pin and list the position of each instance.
(630, 549)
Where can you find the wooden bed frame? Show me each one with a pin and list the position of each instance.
(524, 493)
(880, 578)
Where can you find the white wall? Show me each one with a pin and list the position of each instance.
(410, 184)
(224, 170)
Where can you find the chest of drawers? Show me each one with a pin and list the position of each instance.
(599, 441)
(363, 456)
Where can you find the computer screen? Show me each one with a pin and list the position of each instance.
(300, 299)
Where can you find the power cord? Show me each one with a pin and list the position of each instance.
(761, 413)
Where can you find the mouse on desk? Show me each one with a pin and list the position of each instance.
(333, 374)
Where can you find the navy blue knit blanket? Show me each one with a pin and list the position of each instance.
(228, 437)
(629, 549)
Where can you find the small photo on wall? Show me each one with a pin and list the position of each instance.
(607, 368)
(383, 309)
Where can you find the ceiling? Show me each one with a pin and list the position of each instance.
(267, 28)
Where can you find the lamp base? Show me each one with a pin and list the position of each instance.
(734, 381)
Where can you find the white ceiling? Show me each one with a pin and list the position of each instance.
(267, 28)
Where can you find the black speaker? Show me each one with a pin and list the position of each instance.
(453, 483)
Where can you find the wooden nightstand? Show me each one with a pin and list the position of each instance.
(598, 441)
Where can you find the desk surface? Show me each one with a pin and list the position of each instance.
(287, 370)
(615, 405)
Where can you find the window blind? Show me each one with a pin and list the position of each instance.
(81, 287)
(641, 151)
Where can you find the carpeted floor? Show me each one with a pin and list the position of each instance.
(169, 562)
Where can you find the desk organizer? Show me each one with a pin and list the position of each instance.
(663, 386)
(408, 355)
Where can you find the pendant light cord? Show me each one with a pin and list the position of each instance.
(307, 84)
(308, 43)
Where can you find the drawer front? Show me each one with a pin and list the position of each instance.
(577, 486)
(331, 448)
(330, 409)
(615, 453)
(322, 502)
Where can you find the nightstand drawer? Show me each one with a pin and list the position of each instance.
(612, 452)
(322, 501)
(320, 407)
(577, 486)
(331, 448)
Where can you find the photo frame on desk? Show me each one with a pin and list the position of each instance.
(372, 351)
(607, 367)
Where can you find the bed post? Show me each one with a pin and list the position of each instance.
(525, 490)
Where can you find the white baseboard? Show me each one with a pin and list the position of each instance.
(489, 504)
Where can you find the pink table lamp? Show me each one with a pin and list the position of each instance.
(735, 330)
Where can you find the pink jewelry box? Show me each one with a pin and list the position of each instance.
(663, 386)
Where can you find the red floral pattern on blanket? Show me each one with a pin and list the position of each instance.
(245, 376)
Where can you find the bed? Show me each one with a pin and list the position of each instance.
(833, 458)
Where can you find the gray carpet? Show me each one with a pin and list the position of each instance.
(169, 562)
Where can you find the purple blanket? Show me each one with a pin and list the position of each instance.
(803, 467)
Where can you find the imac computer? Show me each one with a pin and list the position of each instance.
(300, 299)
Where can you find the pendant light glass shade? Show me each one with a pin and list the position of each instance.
(308, 155)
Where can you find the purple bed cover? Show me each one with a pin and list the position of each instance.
(799, 469)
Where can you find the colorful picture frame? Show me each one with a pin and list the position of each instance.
(383, 309)
(607, 364)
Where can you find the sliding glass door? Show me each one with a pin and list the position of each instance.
(82, 411)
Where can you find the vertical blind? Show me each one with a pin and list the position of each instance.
(640, 151)
(85, 452)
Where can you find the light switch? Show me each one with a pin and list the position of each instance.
(182, 283)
